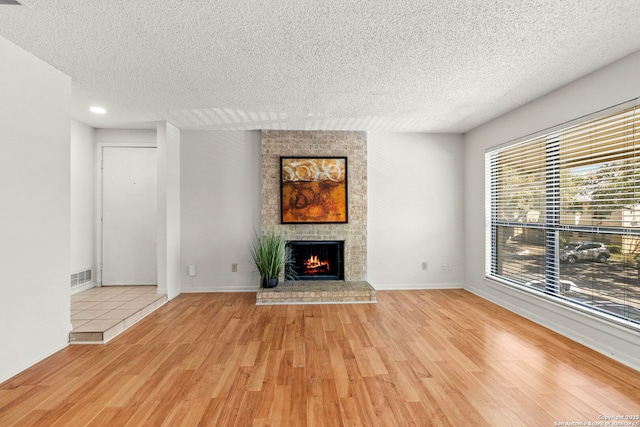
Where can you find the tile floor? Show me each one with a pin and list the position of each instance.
(99, 314)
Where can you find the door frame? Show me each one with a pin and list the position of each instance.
(99, 162)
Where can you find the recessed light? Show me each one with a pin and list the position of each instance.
(97, 110)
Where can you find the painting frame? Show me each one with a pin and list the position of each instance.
(314, 190)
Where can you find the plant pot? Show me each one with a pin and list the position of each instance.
(269, 283)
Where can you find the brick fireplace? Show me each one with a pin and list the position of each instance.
(353, 145)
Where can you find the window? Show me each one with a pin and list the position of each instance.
(563, 215)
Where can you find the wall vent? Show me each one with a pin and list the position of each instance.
(81, 277)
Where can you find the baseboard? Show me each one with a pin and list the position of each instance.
(35, 361)
(83, 287)
(378, 287)
(415, 286)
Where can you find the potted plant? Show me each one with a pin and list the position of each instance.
(272, 257)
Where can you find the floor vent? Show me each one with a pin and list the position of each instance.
(81, 278)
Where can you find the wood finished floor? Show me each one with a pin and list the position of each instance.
(416, 358)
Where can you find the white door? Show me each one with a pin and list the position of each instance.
(129, 206)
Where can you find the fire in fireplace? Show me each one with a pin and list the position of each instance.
(314, 265)
(318, 260)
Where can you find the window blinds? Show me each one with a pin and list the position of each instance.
(589, 174)
(577, 184)
(600, 171)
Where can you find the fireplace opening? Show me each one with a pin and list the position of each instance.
(318, 260)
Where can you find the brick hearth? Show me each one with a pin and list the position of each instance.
(317, 292)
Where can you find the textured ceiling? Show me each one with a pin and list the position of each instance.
(409, 65)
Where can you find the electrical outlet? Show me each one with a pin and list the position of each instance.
(443, 266)
(424, 265)
(191, 270)
(234, 268)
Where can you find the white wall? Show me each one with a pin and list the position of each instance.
(83, 216)
(169, 228)
(35, 217)
(126, 136)
(415, 210)
(220, 192)
(611, 85)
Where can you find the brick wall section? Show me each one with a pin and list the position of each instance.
(353, 145)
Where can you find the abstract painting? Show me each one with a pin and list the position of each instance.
(313, 190)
